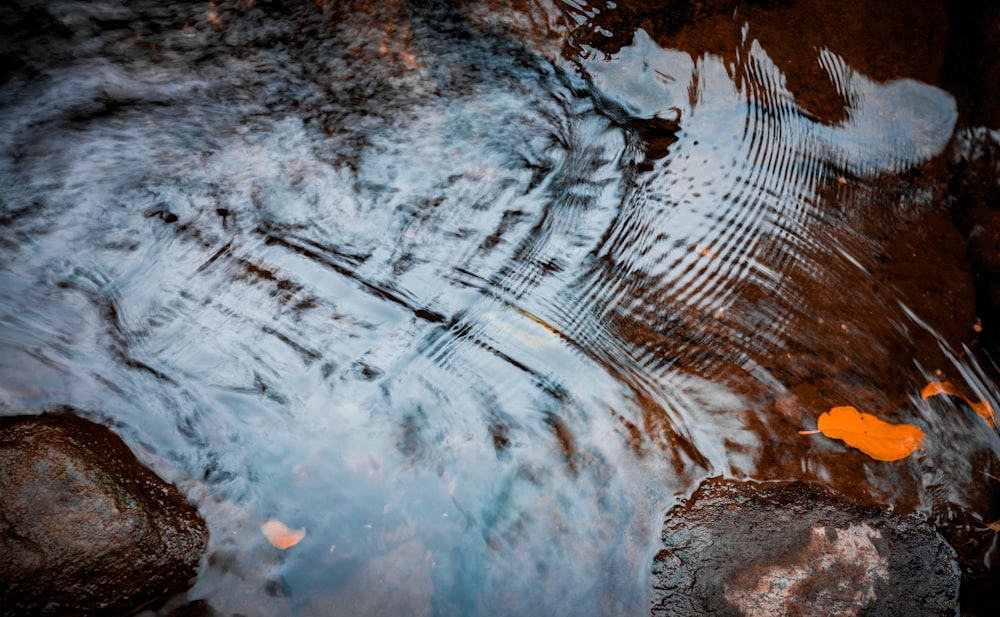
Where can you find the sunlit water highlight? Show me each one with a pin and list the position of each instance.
(426, 293)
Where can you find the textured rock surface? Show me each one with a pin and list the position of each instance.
(743, 548)
(85, 529)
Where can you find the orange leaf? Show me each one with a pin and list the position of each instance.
(876, 438)
(281, 536)
(983, 408)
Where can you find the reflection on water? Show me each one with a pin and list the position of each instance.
(471, 314)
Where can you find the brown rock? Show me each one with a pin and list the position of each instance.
(743, 548)
(85, 529)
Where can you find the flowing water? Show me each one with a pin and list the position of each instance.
(474, 313)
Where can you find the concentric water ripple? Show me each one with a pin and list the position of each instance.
(470, 303)
(714, 251)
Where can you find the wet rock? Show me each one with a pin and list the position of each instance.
(743, 548)
(85, 529)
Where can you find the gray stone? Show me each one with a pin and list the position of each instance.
(85, 529)
(755, 549)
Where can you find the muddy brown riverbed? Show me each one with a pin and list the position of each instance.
(475, 293)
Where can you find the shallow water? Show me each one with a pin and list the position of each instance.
(471, 313)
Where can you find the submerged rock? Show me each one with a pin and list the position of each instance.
(743, 548)
(85, 529)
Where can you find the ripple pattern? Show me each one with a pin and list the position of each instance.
(461, 307)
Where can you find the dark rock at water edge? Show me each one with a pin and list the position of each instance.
(85, 529)
(755, 549)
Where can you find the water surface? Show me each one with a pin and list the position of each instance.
(472, 312)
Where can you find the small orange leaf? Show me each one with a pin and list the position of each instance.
(280, 535)
(983, 408)
(876, 438)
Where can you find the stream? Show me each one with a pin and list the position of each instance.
(474, 292)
